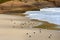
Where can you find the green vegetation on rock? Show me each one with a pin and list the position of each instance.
(2, 1)
(47, 25)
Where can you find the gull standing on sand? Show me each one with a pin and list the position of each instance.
(34, 32)
(40, 30)
(29, 35)
(50, 36)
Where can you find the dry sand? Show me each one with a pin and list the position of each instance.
(28, 34)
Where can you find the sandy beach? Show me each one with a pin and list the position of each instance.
(28, 20)
(20, 28)
(12, 21)
(28, 34)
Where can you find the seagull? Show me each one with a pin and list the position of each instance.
(34, 32)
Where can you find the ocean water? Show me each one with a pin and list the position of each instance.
(51, 9)
(50, 16)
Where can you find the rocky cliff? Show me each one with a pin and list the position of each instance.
(26, 5)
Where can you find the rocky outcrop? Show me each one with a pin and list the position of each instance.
(16, 6)
(56, 2)
(22, 6)
(43, 4)
(46, 25)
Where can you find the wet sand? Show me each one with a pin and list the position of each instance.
(12, 21)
